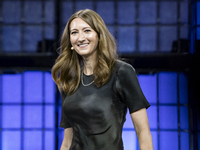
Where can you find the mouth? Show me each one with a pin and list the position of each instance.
(83, 45)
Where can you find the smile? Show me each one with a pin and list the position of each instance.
(83, 45)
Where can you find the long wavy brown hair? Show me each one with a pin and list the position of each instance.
(66, 71)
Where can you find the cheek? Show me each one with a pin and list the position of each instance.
(72, 40)
(92, 36)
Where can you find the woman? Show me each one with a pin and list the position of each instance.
(96, 88)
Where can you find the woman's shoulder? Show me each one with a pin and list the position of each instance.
(122, 66)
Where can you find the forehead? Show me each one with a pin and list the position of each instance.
(78, 23)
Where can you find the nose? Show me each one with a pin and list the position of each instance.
(81, 37)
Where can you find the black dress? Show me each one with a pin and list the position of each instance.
(97, 115)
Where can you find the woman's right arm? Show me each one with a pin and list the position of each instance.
(67, 140)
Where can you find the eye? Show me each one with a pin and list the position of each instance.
(87, 30)
(74, 32)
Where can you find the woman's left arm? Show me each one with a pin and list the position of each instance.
(141, 124)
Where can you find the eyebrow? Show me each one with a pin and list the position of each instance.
(83, 28)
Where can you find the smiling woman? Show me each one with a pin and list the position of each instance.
(97, 88)
(69, 61)
(83, 39)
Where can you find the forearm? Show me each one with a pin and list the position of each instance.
(64, 147)
(65, 144)
(68, 135)
(145, 140)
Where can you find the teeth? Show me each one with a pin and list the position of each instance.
(83, 45)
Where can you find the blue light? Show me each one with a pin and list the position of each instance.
(185, 140)
(124, 11)
(183, 89)
(147, 39)
(154, 135)
(168, 87)
(147, 12)
(49, 88)
(168, 140)
(184, 122)
(198, 13)
(126, 40)
(49, 140)
(198, 33)
(49, 116)
(33, 116)
(11, 140)
(167, 16)
(102, 10)
(32, 140)
(11, 83)
(33, 86)
(152, 117)
(130, 140)
(84, 5)
(11, 116)
(168, 117)
(148, 85)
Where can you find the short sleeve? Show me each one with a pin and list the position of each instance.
(63, 122)
(129, 89)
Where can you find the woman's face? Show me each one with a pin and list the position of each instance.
(83, 38)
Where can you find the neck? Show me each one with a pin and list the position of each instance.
(88, 67)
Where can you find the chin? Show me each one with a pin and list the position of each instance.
(84, 53)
